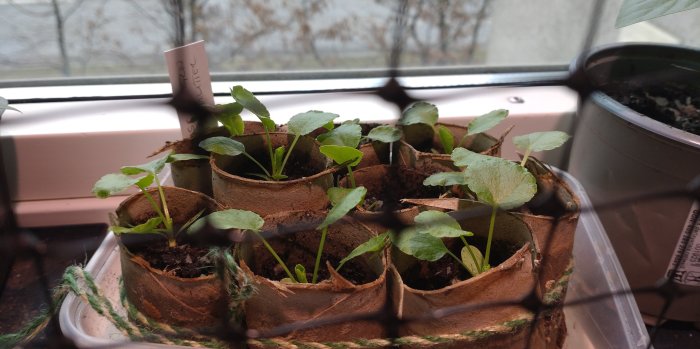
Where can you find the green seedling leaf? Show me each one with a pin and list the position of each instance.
(344, 205)
(249, 101)
(446, 179)
(230, 116)
(113, 183)
(229, 219)
(342, 154)
(346, 134)
(337, 194)
(278, 157)
(487, 121)
(300, 272)
(222, 146)
(635, 11)
(185, 157)
(385, 134)
(439, 224)
(540, 141)
(147, 227)
(446, 139)
(462, 157)
(426, 247)
(304, 123)
(420, 113)
(154, 166)
(499, 182)
(472, 259)
(329, 126)
(146, 181)
(374, 244)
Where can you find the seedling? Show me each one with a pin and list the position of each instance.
(299, 125)
(385, 134)
(162, 224)
(343, 156)
(427, 114)
(424, 241)
(243, 220)
(497, 182)
(343, 201)
(539, 141)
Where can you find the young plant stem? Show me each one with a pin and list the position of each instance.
(351, 176)
(527, 154)
(276, 256)
(257, 163)
(464, 138)
(156, 207)
(492, 223)
(459, 260)
(286, 156)
(269, 150)
(318, 254)
(471, 254)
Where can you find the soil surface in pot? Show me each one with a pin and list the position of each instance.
(293, 251)
(392, 188)
(184, 260)
(297, 167)
(673, 104)
(446, 271)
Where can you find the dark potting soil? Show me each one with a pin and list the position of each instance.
(446, 271)
(184, 261)
(297, 167)
(392, 188)
(673, 104)
(293, 252)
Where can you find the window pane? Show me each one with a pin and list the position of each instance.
(73, 38)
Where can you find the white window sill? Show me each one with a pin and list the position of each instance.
(54, 152)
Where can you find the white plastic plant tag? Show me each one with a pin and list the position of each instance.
(188, 68)
(688, 263)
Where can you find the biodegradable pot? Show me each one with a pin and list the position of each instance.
(381, 181)
(510, 281)
(189, 302)
(277, 303)
(618, 153)
(552, 215)
(267, 197)
(196, 174)
(409, 154)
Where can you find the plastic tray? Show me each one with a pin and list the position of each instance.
(611, 322)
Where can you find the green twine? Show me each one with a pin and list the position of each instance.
(239, 288)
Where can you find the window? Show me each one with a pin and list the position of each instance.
(76, 38)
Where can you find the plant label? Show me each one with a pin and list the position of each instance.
(686, 257)
(188, 68)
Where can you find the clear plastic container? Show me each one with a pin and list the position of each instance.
(612, 321)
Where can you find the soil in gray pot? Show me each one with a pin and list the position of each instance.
(674, 104)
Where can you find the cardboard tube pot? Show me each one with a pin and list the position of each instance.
(493, 317)
(277, 303)
(189, 302)
(196, 174)
(414, 151)
(552, 215)
(394, 184)
(264, 197)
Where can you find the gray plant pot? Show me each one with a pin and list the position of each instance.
(618, 153)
